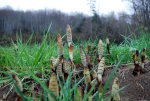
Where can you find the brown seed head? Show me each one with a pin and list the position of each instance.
(69, 35)
(60, 45)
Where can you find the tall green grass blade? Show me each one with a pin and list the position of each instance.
(97, 93)
(77, 84)
(62, 89)
(85, 91)
(29, 40)
(88, 94)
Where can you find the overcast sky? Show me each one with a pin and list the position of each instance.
(102, 6)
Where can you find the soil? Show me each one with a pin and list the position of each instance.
(138, 88)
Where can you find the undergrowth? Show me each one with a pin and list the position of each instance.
(29, 59)
(38, 54)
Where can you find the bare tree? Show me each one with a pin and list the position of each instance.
(142, 12)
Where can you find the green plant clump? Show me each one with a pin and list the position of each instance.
(29, 59)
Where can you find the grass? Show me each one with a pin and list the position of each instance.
(31, 58)
(37, 55)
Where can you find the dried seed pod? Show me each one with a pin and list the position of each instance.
(58, 65)
(59, 70)
(82, 55)
(67, 66)
(60, 45)
(69, 35)
(94, 74)
(58, 61)
(71, 52)
(115, 87)
(100, 49)
(108, 47)
(100, 69)
(87, 75)
(54, 86)
(93, 82)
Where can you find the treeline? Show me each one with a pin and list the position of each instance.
(83, 26)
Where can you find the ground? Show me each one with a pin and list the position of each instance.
(137, 90)
(138, 86)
